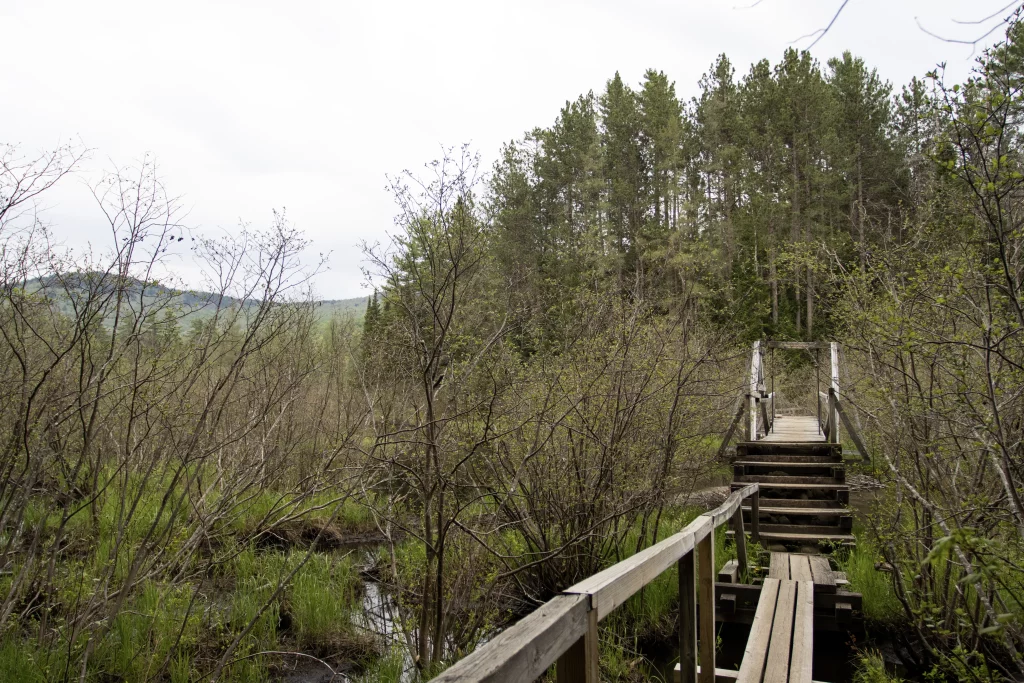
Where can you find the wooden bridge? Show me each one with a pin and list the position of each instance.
(788, 492)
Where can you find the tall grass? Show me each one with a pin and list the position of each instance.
(881, 606)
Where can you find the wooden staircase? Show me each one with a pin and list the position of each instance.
(804, 497)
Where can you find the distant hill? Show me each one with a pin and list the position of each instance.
(78, 284)
(355, 307)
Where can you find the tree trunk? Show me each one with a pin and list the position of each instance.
(860, 216)
(795, 233)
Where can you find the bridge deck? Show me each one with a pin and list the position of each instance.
(795, 429)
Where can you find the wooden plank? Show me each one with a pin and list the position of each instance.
(796, 345)
(778, 566)
(755, 357)
(760, 634)
(800, 568)
(721, 675)
(687, 619)
(776, 670)
(730, 572)
(748, 596)
(740, 539)
(525, 650)
(610, 588)
(785, 479)
(580, 663)
(824, 579)
(755, 517)
(807, 538)
(854, 434)
(732, 503)
(834, 416)
(740, 407)
(794, 485)
(801, 659)
(810, 511)
(833, 505)
(706, 596)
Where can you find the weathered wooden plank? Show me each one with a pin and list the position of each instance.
(526, 649)
(706, 595)
(808, 510)
(740, 408)
(721, 675)
(755, 359)
(785, 479)
(854, 434)
(834, 393)
(800, 568)
(687, 619)
(778, 566)
(756, 651)
(580, 664)
(796, 345)
(740, 539)
(776, 670)
(755, 517)
(610, 588)
(801, 659)
(823, 602)
(791, 485)
(732, 503)
(824, 579)
(730, 572)
(807, 538)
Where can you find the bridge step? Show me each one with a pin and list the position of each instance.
(803, 482)
(808, 510)
(835, 492)
(802, 538)
(791, 457)
(755, 468)
(790, 448)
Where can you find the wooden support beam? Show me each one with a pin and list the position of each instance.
(833, 414)
(740, 538)
(687, 619)
(740, 408)
(796, 345)
(579, 664)
(708, 638)
(755, 366)
(755, 512)
(853, 433)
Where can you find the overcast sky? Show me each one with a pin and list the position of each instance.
(251, 106)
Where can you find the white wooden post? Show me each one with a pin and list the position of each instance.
(834, 413)
(755, 371)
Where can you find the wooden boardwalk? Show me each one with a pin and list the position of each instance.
(795, 429)
(789, 492)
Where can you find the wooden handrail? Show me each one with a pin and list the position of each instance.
(564, 629)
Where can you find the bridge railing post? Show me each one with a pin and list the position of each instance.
(706, 562)
(687, 619)
(755, 512)
(740, 537)
(579, 664)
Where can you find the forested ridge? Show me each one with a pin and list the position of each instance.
(537, 390)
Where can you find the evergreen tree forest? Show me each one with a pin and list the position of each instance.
(225, 485)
